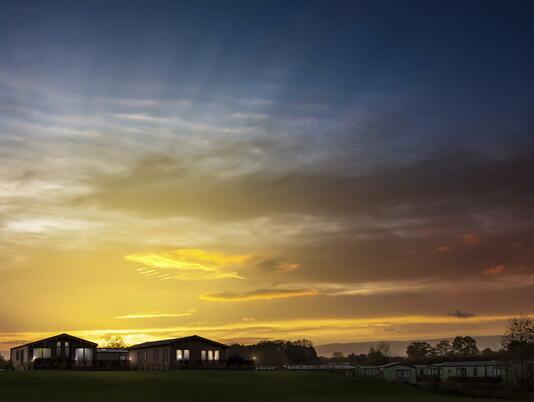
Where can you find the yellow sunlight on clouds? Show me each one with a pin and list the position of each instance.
(191, 264)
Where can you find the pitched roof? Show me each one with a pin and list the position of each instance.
(396, 364)
(165, 342)
(54, 337)
(471, 364)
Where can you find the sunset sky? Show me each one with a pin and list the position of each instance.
(265, 170)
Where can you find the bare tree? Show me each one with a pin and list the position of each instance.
(518, 340)
(112, 342)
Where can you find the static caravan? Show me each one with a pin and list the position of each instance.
(367, 371)
(399, 372)
(478, 369)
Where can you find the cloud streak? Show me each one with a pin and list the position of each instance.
(257, 295)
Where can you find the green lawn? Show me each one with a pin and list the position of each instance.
(219, 386)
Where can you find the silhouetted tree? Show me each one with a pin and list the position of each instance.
(419, 350)
(464, 346)
(338, 355)
(520, 329)
(443, 348)
(379, 354)
(114, 342)
(518, 341)
(277, 353)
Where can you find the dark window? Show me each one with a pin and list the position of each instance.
(475, 371)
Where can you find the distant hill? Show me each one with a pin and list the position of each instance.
(398, 348)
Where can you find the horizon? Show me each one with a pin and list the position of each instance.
(323, 170)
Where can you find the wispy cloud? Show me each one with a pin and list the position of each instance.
(190, 264)
(155, 315)
(255, 295)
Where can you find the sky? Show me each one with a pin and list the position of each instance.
(337, 171)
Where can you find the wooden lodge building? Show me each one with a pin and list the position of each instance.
(188, 352)
(61, 352)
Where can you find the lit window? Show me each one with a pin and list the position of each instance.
(202, 355)
(210, 354)
(179, 355)
(186, 354)
(42, 353)
(215, 355)
(67, 349)
(83, 354)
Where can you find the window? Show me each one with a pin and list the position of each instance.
(403, 373)
(461, 372)
(475, 371)
(139, 356)
(22, 355)
(83, 354)
(67, 349)
(58, 348)
(202, 355)
(165, 355)
(183, 354)
(17, 355)
(210, 355)
(215, 355)
(145, 356)
(497, 371)
(122, 357)
(42, 353)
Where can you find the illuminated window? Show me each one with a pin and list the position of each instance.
(67, 349)
(182, 354)
(58, 348)
(83, 354)
(210, 355)
(215, 355)
(42, 353)
(202, 355)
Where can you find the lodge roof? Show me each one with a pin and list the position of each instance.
(165, 342)
(63, 335)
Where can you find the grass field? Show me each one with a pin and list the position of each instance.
(197, 386)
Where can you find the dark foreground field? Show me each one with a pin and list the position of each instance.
(220, 386)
